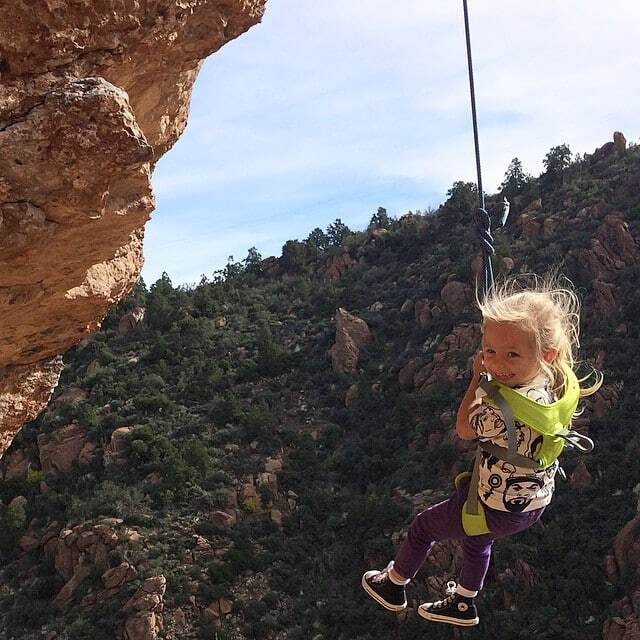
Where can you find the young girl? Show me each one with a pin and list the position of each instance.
(529, 339)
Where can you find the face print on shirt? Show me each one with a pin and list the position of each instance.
(518, 491)
(489, 424)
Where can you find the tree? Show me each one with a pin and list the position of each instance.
(272, 359)
(515, 179)
(462, 196)
(318, 241)
(232, 270)
(253, 262)
(380, 220)
(294, 256)
(337, 232)
(163, 305)
(555, 163)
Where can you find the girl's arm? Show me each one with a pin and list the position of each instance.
(463, 428)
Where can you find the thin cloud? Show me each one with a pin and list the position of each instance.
(326, 101)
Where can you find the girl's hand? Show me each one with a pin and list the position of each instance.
(478, 365)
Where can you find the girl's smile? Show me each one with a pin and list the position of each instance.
(510, 354)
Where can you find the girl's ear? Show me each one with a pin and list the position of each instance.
(550, 355)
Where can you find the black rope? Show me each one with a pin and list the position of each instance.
(483, 227)
(473, 105)
(483, 219)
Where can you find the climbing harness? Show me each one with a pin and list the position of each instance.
(549, 420)
(552, 421)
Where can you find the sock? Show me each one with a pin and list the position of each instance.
(467, 593)
(400, 583)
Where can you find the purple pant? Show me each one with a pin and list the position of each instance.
(443, 521)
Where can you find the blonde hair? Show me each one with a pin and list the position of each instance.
(547, 308)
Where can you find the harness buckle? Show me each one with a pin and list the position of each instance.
(575, 440)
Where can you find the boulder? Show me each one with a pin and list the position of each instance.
(465, 339)
(273, 465)
(423, 313)
(605, 302)
(613, 247)
(118, 576)
(530, 225)
(337, 266)
(605, 399)
(145, 625)
(221, 518)
(407, 307)
(131, 320)
(624, 541)
(352, 334)
(550, 225)
(70, 397)
(351, 396)
(455, 296)
(619, 141)
(116, 451)
(217, 610)
(619, 145)
(581, 478)
(508, 264)
(64, 449)
(534, 205)
(406, 374)
(15, 465)
(149, 596)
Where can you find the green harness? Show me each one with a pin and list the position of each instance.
(553, 421)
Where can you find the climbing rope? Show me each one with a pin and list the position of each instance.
(482, 217)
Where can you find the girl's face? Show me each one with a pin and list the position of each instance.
(509, 353)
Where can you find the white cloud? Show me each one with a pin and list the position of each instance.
(377, 92)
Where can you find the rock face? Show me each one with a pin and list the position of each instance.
(338, 265)
(92, 94)
(116, 451)
(76, 553)
(65, 449)
(455, 296)
(145, 610)
(463, 339)
(351, 335)
(131, 320)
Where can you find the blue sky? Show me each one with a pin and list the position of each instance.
(330, 109)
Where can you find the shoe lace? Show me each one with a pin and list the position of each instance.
(451, 596)
(383, 576)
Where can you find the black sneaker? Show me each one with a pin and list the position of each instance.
(454, 609)
(378, 585)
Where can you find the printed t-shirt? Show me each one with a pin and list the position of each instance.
(505, 486)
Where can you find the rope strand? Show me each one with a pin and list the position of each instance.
(483, 219)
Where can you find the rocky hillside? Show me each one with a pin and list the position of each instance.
(225, 461)
(92, 94)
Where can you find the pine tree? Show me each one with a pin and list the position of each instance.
(380, 220)
(337, 232)
(515, 180)
(555, 164)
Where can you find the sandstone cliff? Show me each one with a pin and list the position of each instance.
(92, 94)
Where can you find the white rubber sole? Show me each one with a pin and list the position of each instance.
(377, 598)
(435, 617)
